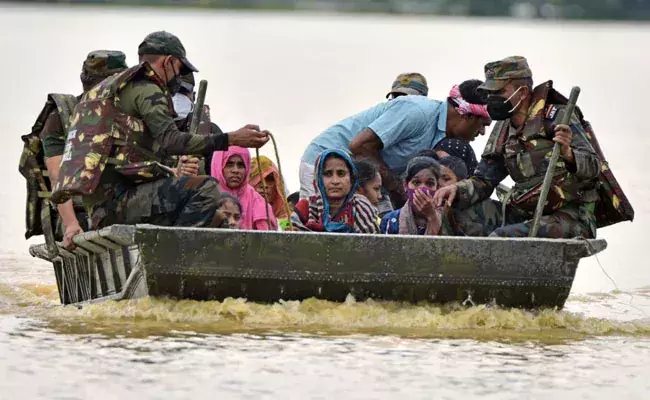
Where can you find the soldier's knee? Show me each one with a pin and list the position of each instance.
(211, 191)
(204, 187)
(516, 230)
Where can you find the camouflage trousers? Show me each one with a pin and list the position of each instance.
(487, 219)
(186, 201)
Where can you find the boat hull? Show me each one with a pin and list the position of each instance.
(211, 264)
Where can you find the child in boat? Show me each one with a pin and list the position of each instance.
(232, 169)
(369, 180)
(336, 207)
(458, 148)
(452, 170)
(275, 193)
(293, 200)
(419, 216)
(230, 206)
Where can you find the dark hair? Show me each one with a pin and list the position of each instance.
(229, 197)
(461, 149)
(428, 153)
(367, 169)
(470, 92)
(293, 197)
(417, 164)
(456, 165)
(347, 164)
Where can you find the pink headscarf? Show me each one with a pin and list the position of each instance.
(465, 107)
(253, 205)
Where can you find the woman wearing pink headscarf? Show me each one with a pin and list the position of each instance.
(232, 169)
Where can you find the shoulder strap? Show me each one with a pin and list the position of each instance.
(65, 104)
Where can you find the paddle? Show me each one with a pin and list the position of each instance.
(548, 178)
(198, 107)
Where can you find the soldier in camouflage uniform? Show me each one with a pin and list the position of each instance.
(48, 138)
(121, 131)
(520, 146)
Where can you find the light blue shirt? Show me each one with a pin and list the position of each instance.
(405, 125)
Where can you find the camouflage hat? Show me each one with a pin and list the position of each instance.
(410, 83)
(100, 64)
(498, 73)
(187, 82)
(165, 43)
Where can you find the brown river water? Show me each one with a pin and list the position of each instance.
(295, 74)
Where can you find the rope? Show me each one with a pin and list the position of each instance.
(259, 170)
(266, 200)
(591, 247)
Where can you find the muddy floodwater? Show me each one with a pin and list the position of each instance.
(295, 74)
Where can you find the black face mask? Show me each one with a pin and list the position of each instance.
(501, 108)
(174, 84)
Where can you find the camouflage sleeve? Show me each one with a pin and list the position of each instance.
(587, 163)
(489, 173)
(52, 136)
(147, 101)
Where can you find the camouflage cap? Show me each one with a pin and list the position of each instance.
(165, 43)
(410, 83)
(100, 64)
(498, 73)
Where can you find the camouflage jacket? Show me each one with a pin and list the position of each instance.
(524, 154)
(32, 164)
(112, 133)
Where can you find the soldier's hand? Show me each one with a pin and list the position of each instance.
(187, 166)
(445, 196)
(563, 136)
(248, 136)
(70, 232)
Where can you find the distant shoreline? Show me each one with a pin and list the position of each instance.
(441, 8)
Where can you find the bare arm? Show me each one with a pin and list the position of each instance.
(368, 145)
(66, 210)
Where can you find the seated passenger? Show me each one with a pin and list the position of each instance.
(232, 168)
(293, 200)
(452, 170)
(393, 130)
(419, 216)
(369, 181)
(274, 187)
(458, 148)
(230, 206)
(336, 207)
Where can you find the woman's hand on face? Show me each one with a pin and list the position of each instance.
(424, 204)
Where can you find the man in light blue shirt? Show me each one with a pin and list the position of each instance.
(390, 133)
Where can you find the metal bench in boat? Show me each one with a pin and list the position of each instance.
(125, 262)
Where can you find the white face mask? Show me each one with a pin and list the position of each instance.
(518, 103)
(182, 105)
